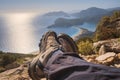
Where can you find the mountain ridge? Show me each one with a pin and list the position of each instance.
(90, 15)
(91, 10)
(57, 13)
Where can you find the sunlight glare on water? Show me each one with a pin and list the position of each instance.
(21, 31)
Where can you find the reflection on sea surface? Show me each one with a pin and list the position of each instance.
(18, 34)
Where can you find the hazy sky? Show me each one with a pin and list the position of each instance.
(52, 5)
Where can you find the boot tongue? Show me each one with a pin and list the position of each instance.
(51, 42)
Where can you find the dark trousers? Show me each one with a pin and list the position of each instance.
(67, 66)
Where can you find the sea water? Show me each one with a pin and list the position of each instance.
(18, 34)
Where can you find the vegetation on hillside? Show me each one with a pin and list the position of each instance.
(85, 46)
(108, 27)
(11, 60)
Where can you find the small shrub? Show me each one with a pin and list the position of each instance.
(118, 39)
(85, 47)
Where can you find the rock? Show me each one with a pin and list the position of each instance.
(118, 55)
(100, 43)
(116, 47)
(97, 44)
(106, 58)
(18, 70)
(102, 50)
(117, 65)
(110, 59)
(112, 45)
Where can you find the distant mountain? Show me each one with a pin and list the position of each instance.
(62, 22)
(93, 11)
(113, 9)
(90, 15)
(59, 13)
(48, 18)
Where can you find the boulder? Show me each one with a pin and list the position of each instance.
(112, 45)
(118, 55)
(102, 50)
(116, 47)
(117, 65)
(106, 58)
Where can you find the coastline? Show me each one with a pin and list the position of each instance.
(82, 33)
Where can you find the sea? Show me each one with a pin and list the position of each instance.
(18, 34)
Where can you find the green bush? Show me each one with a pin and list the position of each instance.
(85, 47)
(85, 39)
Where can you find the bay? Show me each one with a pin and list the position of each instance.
(18, 34)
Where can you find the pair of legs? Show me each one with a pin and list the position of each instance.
(59, 60)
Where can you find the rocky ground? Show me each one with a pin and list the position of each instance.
(108, 59)
(108, 54)
(19, 73)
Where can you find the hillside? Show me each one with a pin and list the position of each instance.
(49, 18)
(90, 15)
(12, 60)
(104, 46)
(62, 22)
(108, 27)
(59, 13)
(93, 11)
(14, 66)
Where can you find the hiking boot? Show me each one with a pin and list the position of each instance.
(33, 70)
(48, 40)
(48, 45)
(68, 45)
